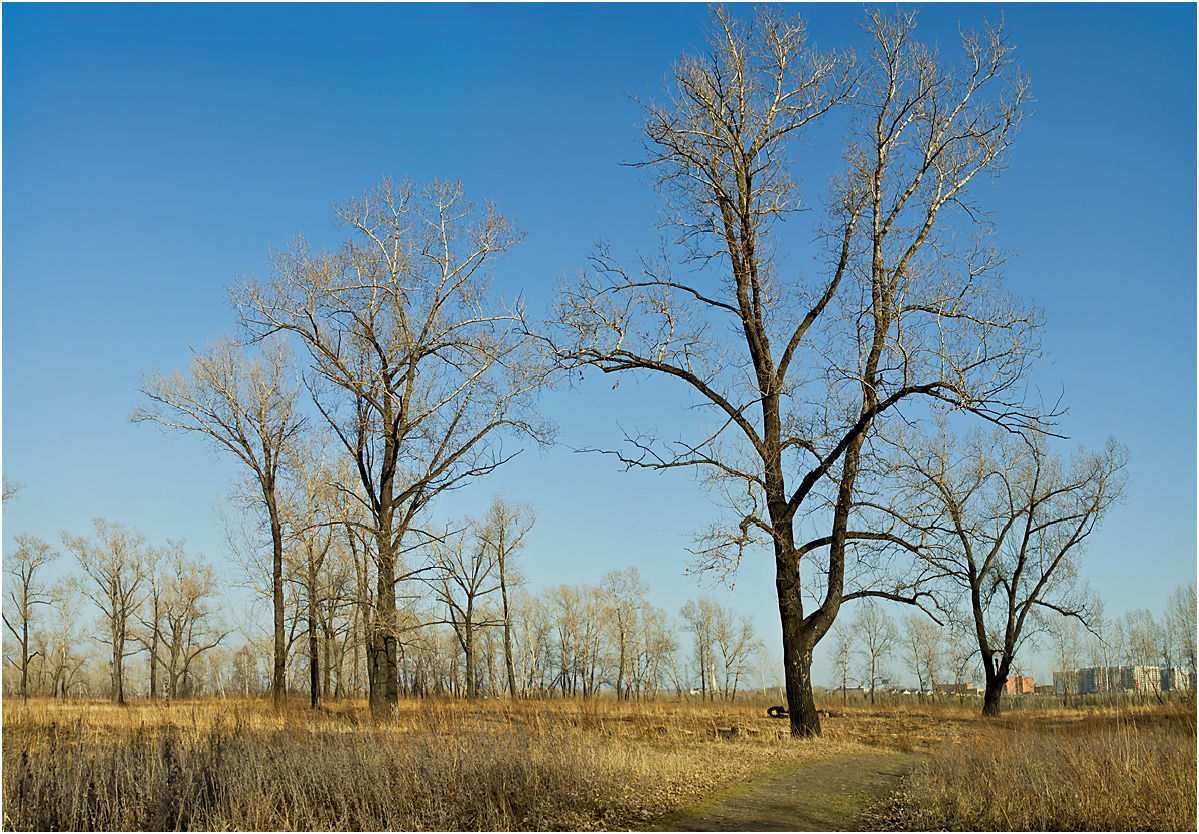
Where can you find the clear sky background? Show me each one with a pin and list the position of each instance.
(152, 154)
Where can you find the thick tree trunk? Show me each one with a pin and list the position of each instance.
(991, 695)
(384, 666)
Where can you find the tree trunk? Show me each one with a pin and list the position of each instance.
(508, 667)
(118, 651)
(797, 646)
(314, 660)
(384, 667)
(279, 672)
(24, 659)
(994, 689)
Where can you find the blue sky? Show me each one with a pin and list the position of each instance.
(152, 154)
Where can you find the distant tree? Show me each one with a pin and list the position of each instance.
(626, 597)
(877, 638)
(116, 563)
(189, 627)
(467, 573)
(503, 530)
(702, 618)
(843, 649)
(23, 563)
(1067, 646)
(1006, 521)
(65, 662)
(737, 644)
(310, 514)
(922, 641)
(1180, 626)
(246, 405)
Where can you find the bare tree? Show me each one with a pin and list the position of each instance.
(737, 645)
(843, 649)
(151, 615)
(246, 405)
(310, 513)
(504, 530)
(26, 590)
(1067, 653)
(877, 638)
(11, 488)
(467, 573)
(1012, 520)
(922, 640)
(189, 630)
(1179, 623)
(816, 366)
(64, 661)
(116, 563)
(418, 371)
(626, 597)
(704, 618)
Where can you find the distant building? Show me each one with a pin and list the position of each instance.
(955, 689)
(1019, 685)
(1095, 679)
(1044, 689)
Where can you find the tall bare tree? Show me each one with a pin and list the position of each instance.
(23, 564)
(504, 530)
(798, 373)
(1011, 520)
(417, 368)
(246, 405)
(116, 563)
(877, 638)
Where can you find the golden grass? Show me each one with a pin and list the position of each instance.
(1058, 770)
(538, 765)
(440, 765)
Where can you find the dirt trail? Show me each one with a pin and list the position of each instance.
(826, 795)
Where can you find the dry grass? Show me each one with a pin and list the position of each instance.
(439, 765)
(569, 765)
(1058, 770)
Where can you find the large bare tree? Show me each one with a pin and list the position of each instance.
(246, 405)
(1009, 521)
(26, 589)
(116, 563)
(418, 369)
(799, 372)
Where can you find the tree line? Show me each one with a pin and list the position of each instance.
(871, 425)
(468, 627)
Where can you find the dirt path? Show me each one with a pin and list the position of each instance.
(826, 795)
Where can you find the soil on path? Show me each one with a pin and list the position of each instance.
(823, 795)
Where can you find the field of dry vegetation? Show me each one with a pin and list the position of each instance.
(497, 765)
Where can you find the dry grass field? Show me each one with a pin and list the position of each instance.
(498, 765)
